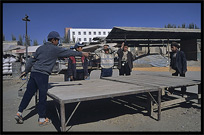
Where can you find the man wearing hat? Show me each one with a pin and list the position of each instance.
(125, 63)
(40, 65)
(77, 65)
(178, 63)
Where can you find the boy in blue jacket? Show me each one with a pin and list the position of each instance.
(40, 65)
(77, 65)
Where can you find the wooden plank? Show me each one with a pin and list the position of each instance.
(157, 84)
(62, 114)
(199, 94)
(159, 81)
(159, 104)
(132, 81)
(161, 78)
(175, 101)
(140, 79)
(149, 105)
(169, 81)
(173, 79)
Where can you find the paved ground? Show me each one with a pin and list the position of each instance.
(105, 114)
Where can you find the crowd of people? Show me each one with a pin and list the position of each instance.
(42, 62)
(78, 66)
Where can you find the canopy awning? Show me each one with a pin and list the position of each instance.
(152, 33)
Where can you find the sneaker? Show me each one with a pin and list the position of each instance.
(19, 118)
(46, 122)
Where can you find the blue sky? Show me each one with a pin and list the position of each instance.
(46, 17)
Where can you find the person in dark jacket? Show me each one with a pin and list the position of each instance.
(77, 65)
(178, 63)
(125, 62)
(40, 65)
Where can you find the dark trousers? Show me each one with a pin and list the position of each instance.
(79, 76)
(36, 81)
(124, 69)
(183, 88)
(106, 72)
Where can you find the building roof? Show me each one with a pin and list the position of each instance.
(11, 47)
(153, 33)
(30, 49)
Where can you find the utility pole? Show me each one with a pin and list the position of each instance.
(168, 50)
(26, 41)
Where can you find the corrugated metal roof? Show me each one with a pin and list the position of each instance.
(159, 29)
(153, 33)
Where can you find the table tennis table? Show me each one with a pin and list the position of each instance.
(109, 87)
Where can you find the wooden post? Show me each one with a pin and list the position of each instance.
(199, 94)
(148, 49)
(163, 47)
(159, 104)
(62, 112)
(168, 50)
(125, 36)
(149, 105)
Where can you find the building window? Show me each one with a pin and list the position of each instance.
(89, 39)
(89, 32)
(79, 39)
(94, 33)
(79, 33)
(84, 39)
(99, 33)
(104, 33)
(73, 33)
(84, 32)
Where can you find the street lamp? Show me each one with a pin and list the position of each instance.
(26, 38)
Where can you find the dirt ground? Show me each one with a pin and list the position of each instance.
(162, 69)
(119, 114)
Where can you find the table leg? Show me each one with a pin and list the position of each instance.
(159, 104)
(199, 94)
(149, 105)
(62, 111)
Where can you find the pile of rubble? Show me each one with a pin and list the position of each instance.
(152, 60)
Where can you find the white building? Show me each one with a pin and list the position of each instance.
(86, 35)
